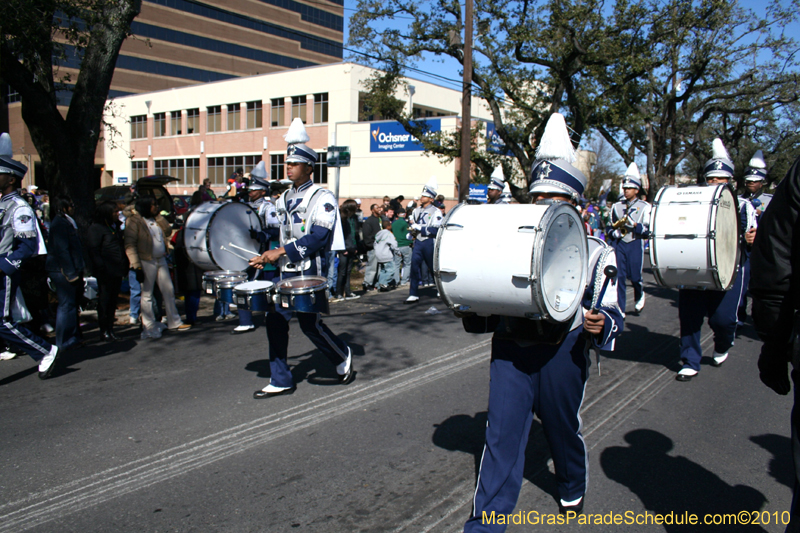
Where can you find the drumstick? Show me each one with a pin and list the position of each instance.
(243, 249)
(234, 253)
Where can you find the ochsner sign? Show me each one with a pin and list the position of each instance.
(392, 137)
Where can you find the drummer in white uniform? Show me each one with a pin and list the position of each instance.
(497, 185)
(309, 228)
(720, 306)
(754, 178)
(258, 192)
(541, 368)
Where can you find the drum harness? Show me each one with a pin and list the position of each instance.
(286, 229)
(609, 272)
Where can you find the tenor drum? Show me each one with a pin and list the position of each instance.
(304, 294)
(695, 237)
(514, 260)
(217, 235)
(254, 295)
(210, 278)
(223, 285)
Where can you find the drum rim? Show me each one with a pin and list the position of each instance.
(301, 290)
(207, 238)
(266, 288)
(539, 297)
(437, 278)
(218, 274)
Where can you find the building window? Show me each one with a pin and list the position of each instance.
(299, 108)
(276, 166)
(321, 169)
(277, 114)
(138, 170)
(253, 115)
(175, 123)
(320, 108)
(234, 117)
(192, 121)
(139, 127)
(159, 124)
(220, 168)
(214, 119)
(186, 170)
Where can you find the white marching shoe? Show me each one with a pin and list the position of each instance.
(719, 358)
(639, 304)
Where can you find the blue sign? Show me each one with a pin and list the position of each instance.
(122, 179)
(392, 136)
(494, 143)
(477, 193)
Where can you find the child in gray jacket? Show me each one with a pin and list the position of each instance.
(385, 250)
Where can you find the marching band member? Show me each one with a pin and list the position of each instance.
(258, 194)
(496, 187)
(19, 240)
(719, 306)
(754, 178)
(629, 228)
(309, 228)
(542, 370)
(425, 222)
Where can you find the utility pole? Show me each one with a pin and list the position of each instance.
(466, 107)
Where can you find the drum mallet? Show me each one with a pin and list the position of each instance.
(611, 274)
(243, 249)
(234, 253)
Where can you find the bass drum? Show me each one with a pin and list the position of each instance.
(212, 226)
(695, 237)
(513, 260)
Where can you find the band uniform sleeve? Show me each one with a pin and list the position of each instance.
(433, 226)
(642, 228)
(608, 306)
(308, 245)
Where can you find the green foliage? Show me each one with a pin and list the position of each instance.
(654, 77)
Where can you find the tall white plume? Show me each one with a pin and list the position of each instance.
(556, 143)
(297, 133)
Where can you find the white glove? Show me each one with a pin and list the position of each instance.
(416, 227)
(617, 234)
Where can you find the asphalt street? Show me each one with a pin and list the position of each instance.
(165, 435)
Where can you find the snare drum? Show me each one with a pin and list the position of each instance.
(513, 260)
(695, 237)
(223, 286)
(304, 294)
(254, 295)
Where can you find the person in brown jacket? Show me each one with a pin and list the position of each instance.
(146, 236)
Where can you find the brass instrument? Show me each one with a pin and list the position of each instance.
(621, 223)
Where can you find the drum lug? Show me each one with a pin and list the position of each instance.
(453, 226)
(533, 316)
(526, 277)
(712, 234)
(313, 298)
(528, 229)
(291, 300)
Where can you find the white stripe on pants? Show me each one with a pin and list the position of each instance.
(157, 269)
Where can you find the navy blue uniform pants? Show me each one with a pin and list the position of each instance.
(13, 333)
(546, 380)
(630, 258)
(720, 307)
(277, 322)
(423, 251)
(742, 313)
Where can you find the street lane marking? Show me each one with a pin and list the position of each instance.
(96, 489)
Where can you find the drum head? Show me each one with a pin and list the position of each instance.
(230, 227)
(254, 286)
(727, 238)
(563, 262)
(301, 284)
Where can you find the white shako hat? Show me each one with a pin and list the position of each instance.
(552, 171)
(720, 164)
(498, 180)
(632, 180)
(298, 152)
(757, 168)
(7, 163)
(258, 178)
(430, 188)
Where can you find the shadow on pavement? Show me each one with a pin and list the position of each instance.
(780, 466)
(668, 484)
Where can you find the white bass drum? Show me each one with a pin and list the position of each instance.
(695, 237)
(513, 260)
(212, 226)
